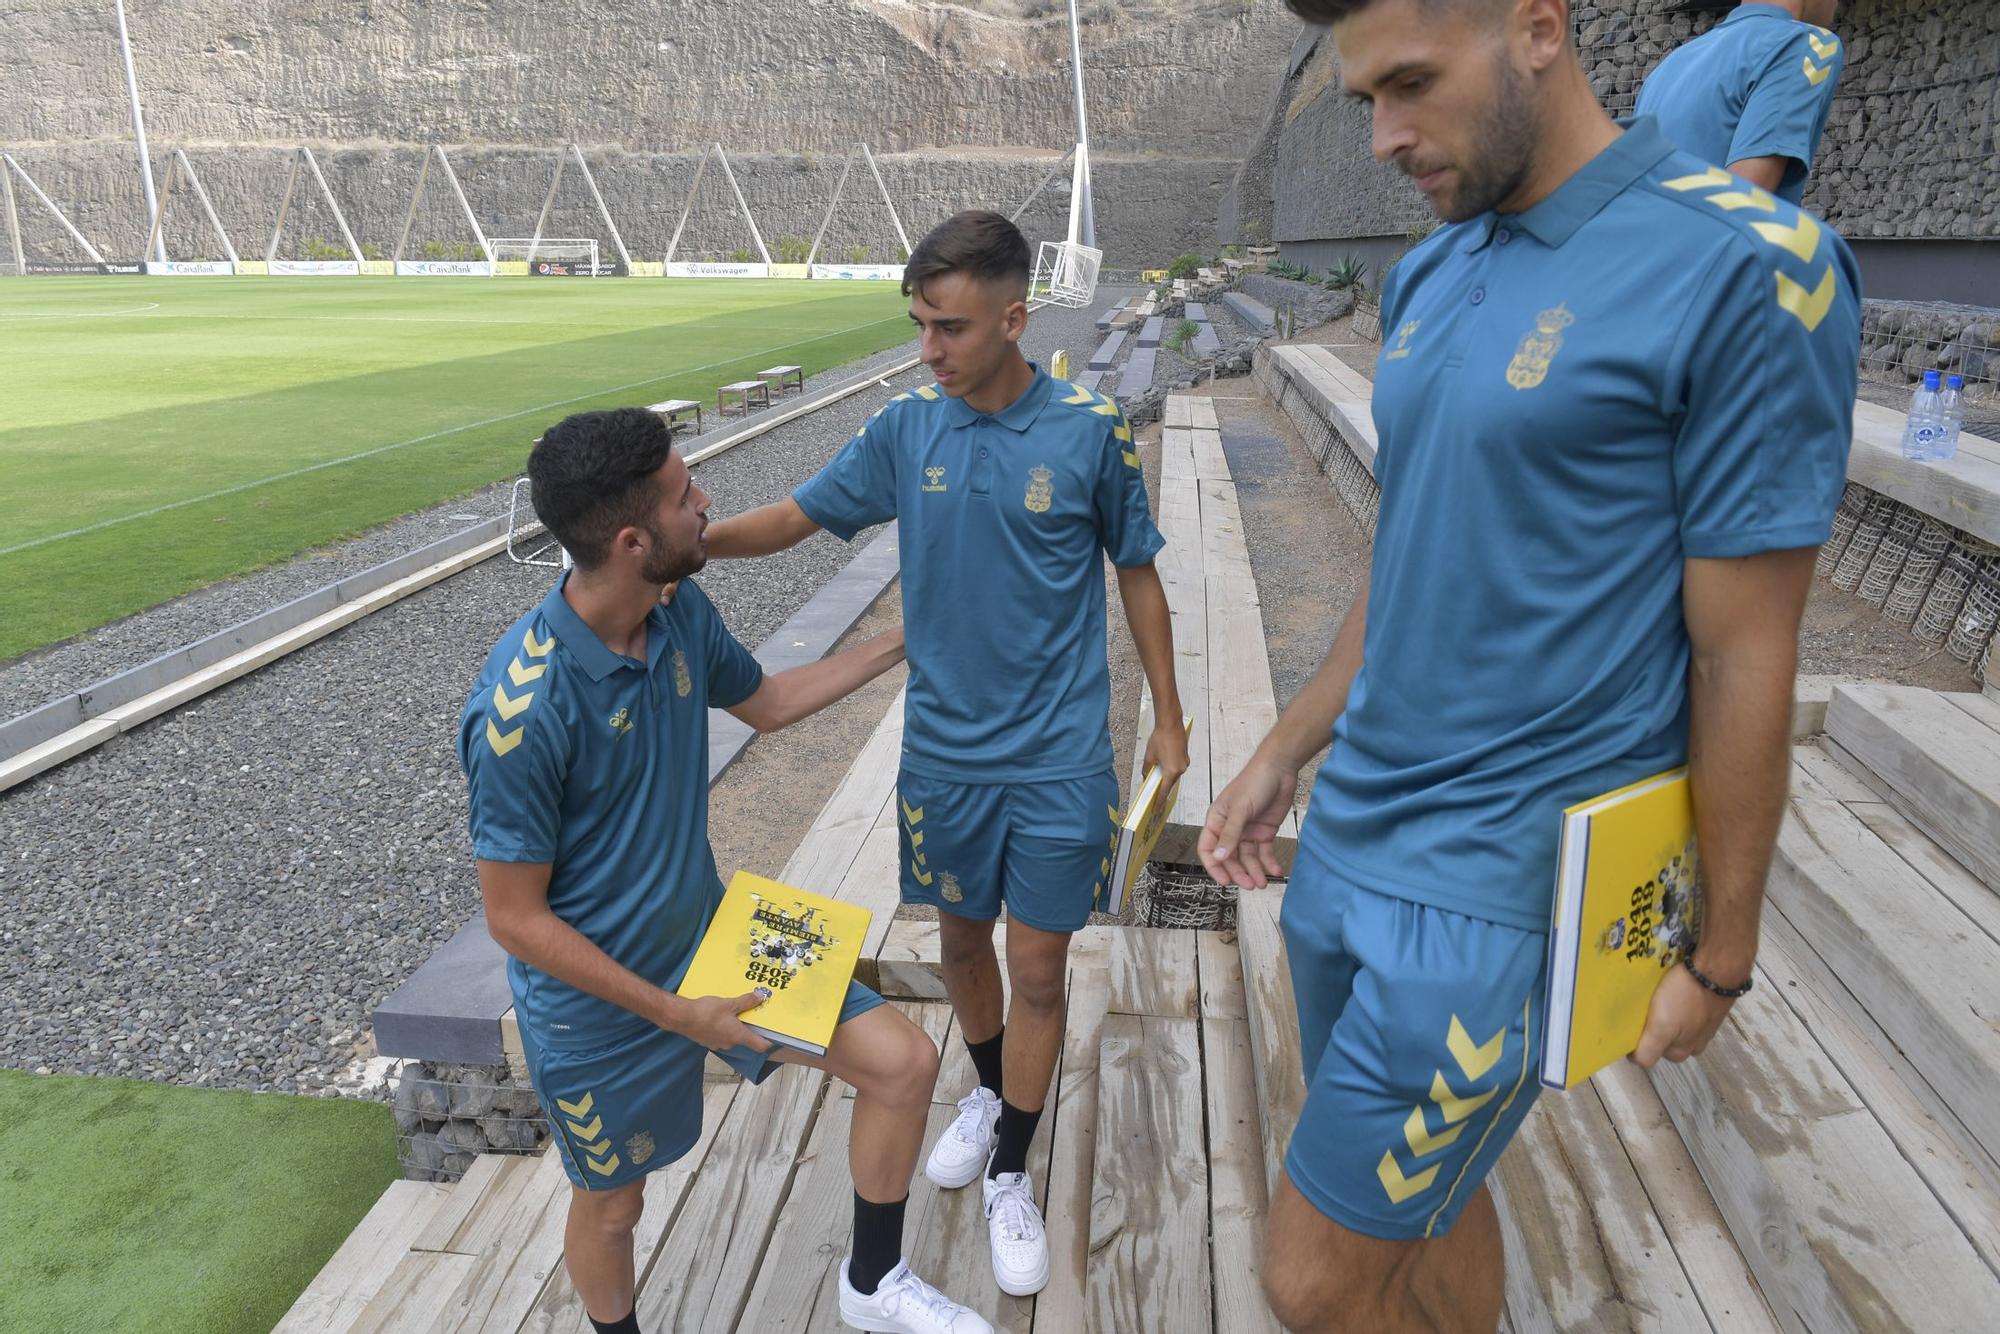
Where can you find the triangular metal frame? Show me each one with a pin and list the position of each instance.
(458, 192)
(1036, 193)
(7, 162)
(548, 201)
(177, 166)
(305, 156)
(833, 203)
(715, 150)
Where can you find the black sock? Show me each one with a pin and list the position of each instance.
(986, 1060)
(629, 1325)
(878, 1242)
(1016, 1129)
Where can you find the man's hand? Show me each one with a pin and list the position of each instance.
(1168, 748)
(1682, 1020)
(1236, 843)
(712, 1021)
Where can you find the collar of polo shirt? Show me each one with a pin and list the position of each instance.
(590, 652)
(1017, 416)
(1584, 195)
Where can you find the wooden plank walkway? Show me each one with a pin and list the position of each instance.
(1148, 1162)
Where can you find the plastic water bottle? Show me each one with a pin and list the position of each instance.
(1926, 427)
(1951, 414)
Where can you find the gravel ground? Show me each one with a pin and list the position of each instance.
(223, 896)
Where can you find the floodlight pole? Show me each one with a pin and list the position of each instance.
(13, 223)
(831, 204)
(451, 179)
(410, 218)
(590, 180)
(1035, 193)
(687, 209)
(54, 212)
(187, 170)
(1082, 221)
(138, 121)
(887, 202)
(737, 190)
(548, 201)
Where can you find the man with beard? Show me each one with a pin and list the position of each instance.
(1614, 417)
(1753, 94)
(585, 745)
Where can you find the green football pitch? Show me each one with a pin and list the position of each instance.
(159, 434)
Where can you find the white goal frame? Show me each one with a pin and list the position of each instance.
(532, 248)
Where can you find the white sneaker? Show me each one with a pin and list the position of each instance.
(902, 1303)
(961, 1153)
(1020, 1244)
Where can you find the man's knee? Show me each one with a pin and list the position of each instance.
(1319, 1275)
(611, 1214)
(1037, 967)
(963, 942)
(913, 1069)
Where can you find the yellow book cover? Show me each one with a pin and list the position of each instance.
(801, 945)
(1138, 834)
(1627, 908)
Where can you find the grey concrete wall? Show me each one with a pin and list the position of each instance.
(974, 95)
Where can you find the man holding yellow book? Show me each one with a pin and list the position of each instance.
(1614, 419)
(585, 746)
(1010, 488)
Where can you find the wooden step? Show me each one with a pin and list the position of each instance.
(1271, 1015)
(1916, 964)
(1935, 757)
(357, 1271)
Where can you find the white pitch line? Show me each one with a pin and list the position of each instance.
(434, 435)
(82, 314)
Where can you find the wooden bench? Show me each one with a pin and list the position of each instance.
(782, 377)
(676, 411)
(747, 394)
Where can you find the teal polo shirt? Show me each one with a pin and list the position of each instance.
(1005, 519)
(1759, 84)
(1655, 363)
(598, 764)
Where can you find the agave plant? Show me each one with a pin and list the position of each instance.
(1349, 272)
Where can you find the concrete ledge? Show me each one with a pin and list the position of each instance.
(1252, 312)
(1194, 310)
(1107, 352)
(451, 1008)
(1089, 379)
(1149, 332)
(1138, 376)
(1107, 315)
(1206, 344)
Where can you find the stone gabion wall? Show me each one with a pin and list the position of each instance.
(447, 1115)
(1900, 340)
(1909, 152)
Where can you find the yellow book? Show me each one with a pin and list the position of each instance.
(803, 946)
(1139, 833)
(1627, 908)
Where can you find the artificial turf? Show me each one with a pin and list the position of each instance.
(126, 1205)
(319, 407)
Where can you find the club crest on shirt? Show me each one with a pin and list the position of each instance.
(934, 477)
(1538, 348)
(621, 721)
(1403, 337)
(1040, 493)
(683, 683)
(949, 890)
(639, 1148)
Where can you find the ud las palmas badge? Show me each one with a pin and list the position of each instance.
(949, 891)
(1530, 365)
(683, 683)
(640, 1148)
(1040, 493)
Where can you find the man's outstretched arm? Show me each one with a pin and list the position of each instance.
(759, 532)
(802, 691)
(1147, 613)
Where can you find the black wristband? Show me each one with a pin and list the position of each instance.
(1727, 993)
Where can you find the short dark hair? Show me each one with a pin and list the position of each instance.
(592, 474)
(976, 241)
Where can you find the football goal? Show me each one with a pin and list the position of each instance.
(551, 256)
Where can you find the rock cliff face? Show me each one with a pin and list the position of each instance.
(1176, 88)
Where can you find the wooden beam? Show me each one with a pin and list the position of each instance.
(1221, 970)
(1237, 1201)
(348, 1281)
(1153, 972)
(1273, 1021)
(1072, 1171)
(516, 1260)
(1963, 491)
(1939, 757)
(1149, 1212)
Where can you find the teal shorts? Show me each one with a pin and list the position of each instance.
(1420, 1033)
(633, 1106)
(1043, 849)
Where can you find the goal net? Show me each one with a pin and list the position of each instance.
(551, 257)
(1066, 273)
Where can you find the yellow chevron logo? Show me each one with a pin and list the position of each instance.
(537, 648)
(1422, 1143)
(914, 814)
(502, 742)
(1080, 397)
(928, 393)
(1810, 307)
(1815, 74)
(1455, 1108)
(1398, 1186)
(1826, 49)
(920, 860)
(1712, 179)
(595, 1130)
(605, 1169)
(1122, 434)
(916, 839)
(597, 1150)
(1752, 198)
(1802, 240)
(520, 675)
(581, 1107)
(1131, 459)
(1106, 409)
(1104, 867)
(1475, 1058)
(508, 707)
(923, 876)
